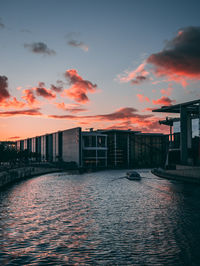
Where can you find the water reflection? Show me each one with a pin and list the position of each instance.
(99, 218)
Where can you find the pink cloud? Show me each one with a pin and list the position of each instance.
(28, 112)
(163, 101)
(73, 108)
(136, 76)
(143, 98)
(79, 87)
(167, 91)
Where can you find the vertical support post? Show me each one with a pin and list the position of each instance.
(115, 143)
(170, 138)
(189, 131)
(183, 143)
(96, 151)
(128, 154)
(106, 151)
(199, 119)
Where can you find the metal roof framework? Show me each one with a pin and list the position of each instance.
(193, 108)
(187, 111)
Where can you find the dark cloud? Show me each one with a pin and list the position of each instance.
(58, 87)
(2, 25)
(29, 112)
(138, 80)
(126, 113)
(181, 56)
(25, 31)
(123, 118)
(39, 48)
(123, 113)
(4, 94)
(78, 44)
(41, 91)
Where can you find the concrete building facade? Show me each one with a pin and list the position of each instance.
(98, 149)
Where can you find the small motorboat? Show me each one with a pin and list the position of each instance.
(133, 175)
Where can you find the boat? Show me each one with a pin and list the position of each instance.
(133, 175)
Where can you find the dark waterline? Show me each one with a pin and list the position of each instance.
(100, 219)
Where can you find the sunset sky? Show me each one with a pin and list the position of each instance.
(100, 64)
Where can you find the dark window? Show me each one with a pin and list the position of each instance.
(101, 153)
(101, 141)
(89, 141)
(89, 153)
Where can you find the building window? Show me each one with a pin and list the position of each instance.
(101, 141)
(101, 153)
(89, 141)
(89, 153)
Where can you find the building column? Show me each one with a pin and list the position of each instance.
(115, 143)
(189, 132)
(106, 151)
(184, 133)
(128, 154)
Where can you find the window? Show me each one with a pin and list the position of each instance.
(101, 141)
(101, 153)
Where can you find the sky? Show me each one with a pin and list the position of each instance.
(95, 64)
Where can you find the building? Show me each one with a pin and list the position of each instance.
(94, 149)
(149, 150)
(185, 140)
(98, 149)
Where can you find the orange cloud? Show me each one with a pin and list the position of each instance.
(143, 98)
(29, 112)
(126, 115)
(80, 87)
(147, 127)
(73, 108)
(14, 103)
(29, 97)
(163, 101)
(16, 137)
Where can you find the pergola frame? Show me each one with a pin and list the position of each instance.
(187, 111)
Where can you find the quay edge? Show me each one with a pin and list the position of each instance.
(181, 173)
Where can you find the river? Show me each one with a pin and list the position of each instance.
(100, 219)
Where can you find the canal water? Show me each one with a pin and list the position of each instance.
(100, 219)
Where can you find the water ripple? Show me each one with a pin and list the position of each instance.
(100, 219)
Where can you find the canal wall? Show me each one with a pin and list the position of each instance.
(10, 176)
(182, 173)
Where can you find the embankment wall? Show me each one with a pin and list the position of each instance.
(13, 175)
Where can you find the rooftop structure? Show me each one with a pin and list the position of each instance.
(188, 111)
